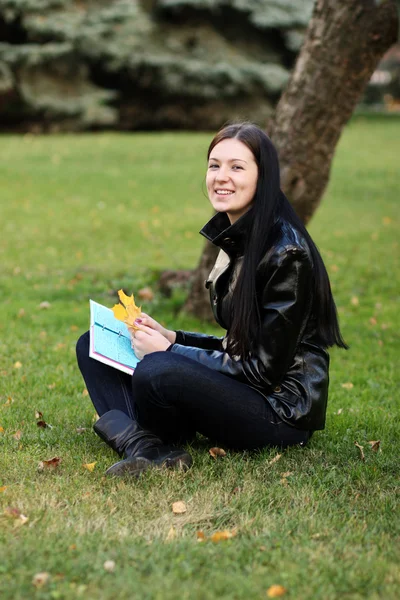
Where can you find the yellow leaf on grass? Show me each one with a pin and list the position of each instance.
(17, 435)
(348, 385)
(275, 591)
(220, 536)
(200, 536)
(178, 508)
(17, 365)
(1, 429)
(90, 466)
(3, 488)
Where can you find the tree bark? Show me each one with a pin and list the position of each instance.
(344, 43)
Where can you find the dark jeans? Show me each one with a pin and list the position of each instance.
(174, 397)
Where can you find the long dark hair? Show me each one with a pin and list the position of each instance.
(270, 204)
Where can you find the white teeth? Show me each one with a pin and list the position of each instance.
(223, 192)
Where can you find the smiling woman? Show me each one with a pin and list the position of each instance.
(231, 178)
(265, 383)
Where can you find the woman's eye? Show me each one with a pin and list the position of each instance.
(212, 166)
(236, 167)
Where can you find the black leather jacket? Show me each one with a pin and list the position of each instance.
(290, 367)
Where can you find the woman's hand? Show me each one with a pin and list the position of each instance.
(153, 324)
(147, 340)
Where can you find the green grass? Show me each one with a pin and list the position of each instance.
(85, 215)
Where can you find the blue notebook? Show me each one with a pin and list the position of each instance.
(110, 340)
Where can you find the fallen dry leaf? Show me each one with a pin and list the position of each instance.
(287, 474)
(52, 463)
(40, 579)
(375, 444)
(109, 566)
(90, 466)
(355, 301)
(200, 536)
(275, 459)
(1, 429)
(146, 293)
(44, 305)
(373, 321)
(38, 414)
(178, 508)
(3, 488)
(81, 429)
(217, 452)
(17, 435)
(220, 536)
(339, 412)
(361, 449)
(127, 311)
(21, 313)
(8, 401)
(85, 392)
(17, 365)
(348, 385)
(275, 591)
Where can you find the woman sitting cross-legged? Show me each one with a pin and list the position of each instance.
(265, 383)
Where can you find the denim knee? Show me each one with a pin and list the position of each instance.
(151, 367)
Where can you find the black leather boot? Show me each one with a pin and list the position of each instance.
(141, 449)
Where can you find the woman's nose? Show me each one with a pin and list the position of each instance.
(222, 174)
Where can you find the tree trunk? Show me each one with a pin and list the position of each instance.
(344, 43)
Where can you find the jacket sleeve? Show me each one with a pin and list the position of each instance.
(198, 340)
(285, 303)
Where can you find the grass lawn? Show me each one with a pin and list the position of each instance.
(85, 215)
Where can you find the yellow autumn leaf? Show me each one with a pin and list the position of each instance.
(3, 488)
(133, 313)
(119, 312)
(90, 466)
(220, 536)
(348, 385)
(1, 429)
(124, 299)
(275, 591)
(17, 365)
(127, 311)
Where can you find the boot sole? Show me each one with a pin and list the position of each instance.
(135, 466)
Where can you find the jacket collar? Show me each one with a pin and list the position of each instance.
(231, 238)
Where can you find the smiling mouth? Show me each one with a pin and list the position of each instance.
(224, 192)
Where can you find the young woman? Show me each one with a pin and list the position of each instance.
(265, 383)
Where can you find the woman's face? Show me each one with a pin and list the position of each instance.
(231, 178)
